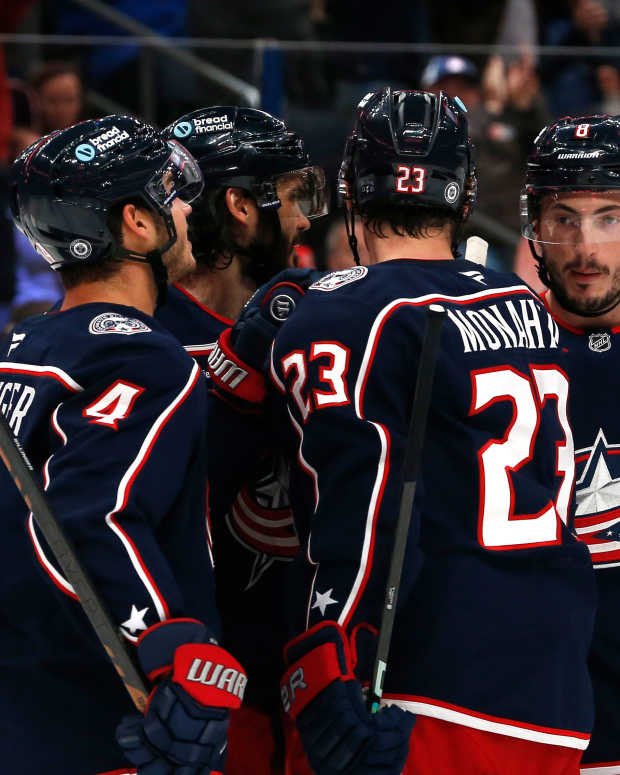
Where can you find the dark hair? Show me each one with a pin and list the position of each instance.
(52, 69)
(415, 222)
(73, 275)
(213, 242)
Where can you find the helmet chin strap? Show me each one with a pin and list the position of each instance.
(559, 294)
(349, 224)
(155, 259)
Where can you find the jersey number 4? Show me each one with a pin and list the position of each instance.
(498, 525)
(113, 404)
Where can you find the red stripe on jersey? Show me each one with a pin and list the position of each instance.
(521, 728)
(373, 531)
(125, 488)
(221, 318)
(42, 371)
(271, 534)
(57, 578)
(598, 518)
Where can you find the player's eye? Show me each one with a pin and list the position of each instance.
(610, 219)
(566, 220)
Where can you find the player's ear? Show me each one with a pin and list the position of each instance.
(138, 226)
(137, 222)
(240, 205)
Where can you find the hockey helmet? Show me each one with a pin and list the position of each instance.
(574, 154)
(250, 149)
(409, 148)
(63, 186)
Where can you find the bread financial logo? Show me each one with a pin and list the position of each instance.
(600, 342)
(85, 152)
(183, 129)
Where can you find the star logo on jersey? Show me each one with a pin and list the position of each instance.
(135, 623)
(323, 600)
(597, 496)
(261, 519)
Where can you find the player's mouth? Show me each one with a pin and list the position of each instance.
(585, 277)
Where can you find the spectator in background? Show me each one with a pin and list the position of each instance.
(59, 94)
(506, 109)
(573, 84)
(10, 16)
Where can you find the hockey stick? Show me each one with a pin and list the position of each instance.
(20, 469)
(476, 250)
(411, 464)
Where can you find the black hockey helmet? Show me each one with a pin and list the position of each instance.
(63, 186)
(573, 155)
(408, 148)
(250, 149)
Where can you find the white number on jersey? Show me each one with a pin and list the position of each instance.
(498, 526)
(113, 405)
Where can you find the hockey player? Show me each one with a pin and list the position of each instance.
(110, 410)
(571, 215)
(496, 603)
(261, 193)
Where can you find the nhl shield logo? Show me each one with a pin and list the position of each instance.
(600, 342)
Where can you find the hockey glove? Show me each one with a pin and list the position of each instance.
(183, 730)
(324, 698)
(238, 362)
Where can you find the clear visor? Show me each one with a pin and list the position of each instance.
(303, 191)
(569, 217)
(180, 176)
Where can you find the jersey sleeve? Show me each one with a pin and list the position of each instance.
(349, 402)
(128, 456)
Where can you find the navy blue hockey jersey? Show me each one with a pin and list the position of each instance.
(593, 371)
(110, 411)
(495, 610)
(197, 327)
(253, 529)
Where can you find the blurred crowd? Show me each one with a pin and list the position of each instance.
(510, 95)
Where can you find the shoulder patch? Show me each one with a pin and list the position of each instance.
(337, 279)
(115, 323)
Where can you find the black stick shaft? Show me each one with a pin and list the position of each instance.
(411, 464)
(20, 469)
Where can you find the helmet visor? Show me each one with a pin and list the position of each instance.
(179, 176)
(566, 216)
(303, 191)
